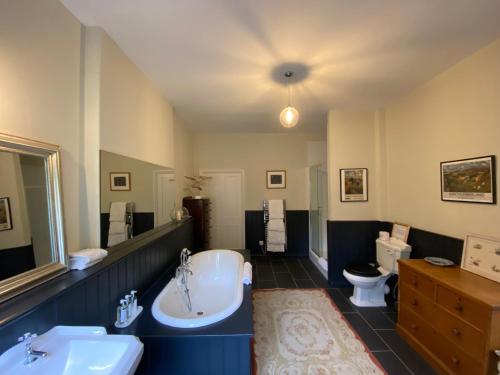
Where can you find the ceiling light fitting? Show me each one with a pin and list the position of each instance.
(289, 116)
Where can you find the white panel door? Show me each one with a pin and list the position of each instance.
(225, 191)
(164, 195)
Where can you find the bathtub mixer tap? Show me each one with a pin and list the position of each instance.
(181, 276)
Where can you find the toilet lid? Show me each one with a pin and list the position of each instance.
(363, 269)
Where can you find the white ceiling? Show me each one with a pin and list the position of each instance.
(213, 59)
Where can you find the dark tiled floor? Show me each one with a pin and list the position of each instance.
(376, 326)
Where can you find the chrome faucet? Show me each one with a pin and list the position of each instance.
(181, 277)
(30, 355)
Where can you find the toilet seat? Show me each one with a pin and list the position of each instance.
(363, 269)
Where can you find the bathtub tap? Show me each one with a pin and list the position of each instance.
(181, 277)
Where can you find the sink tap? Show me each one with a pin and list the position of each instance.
(30, 355)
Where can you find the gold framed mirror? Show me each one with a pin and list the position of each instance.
(32, 241)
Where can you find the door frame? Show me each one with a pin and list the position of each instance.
(155, 191)
(241, 172)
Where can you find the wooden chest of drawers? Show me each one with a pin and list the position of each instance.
(450, 316)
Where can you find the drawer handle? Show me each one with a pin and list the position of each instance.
(413, 326)
(459, 307)
(414, 302)
(455, 361)
(456, 332)
(414, 282)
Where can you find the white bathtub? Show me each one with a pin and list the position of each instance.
(216, 290)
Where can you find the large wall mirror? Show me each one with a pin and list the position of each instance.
(31, 222)
(136, 197)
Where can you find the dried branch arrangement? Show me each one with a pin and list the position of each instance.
(196, 183)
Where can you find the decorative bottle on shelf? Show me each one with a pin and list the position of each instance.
(199, 209)
(178, 213)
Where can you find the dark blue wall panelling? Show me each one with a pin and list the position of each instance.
(297, 228)
(19, 259)
(90, 297)
(354, 241)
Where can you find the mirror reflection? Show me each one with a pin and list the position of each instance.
(136, 196)
(25, 237)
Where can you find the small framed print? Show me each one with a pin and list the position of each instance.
(276, 179)
(469, 180)
(119, 181)
(5, 214)
(354, 185)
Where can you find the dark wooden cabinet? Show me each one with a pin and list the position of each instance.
(199, 209)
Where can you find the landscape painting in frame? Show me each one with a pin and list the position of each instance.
(354, 185)
(469, 180)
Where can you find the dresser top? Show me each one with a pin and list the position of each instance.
(477, 287)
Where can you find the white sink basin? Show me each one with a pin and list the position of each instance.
(75, 351)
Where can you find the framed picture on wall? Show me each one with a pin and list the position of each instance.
(481, 255)
(354, 185)
(276, 179)
(119, 181)
(5, 214)
(469, 180)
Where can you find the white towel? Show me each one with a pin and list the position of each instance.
(274, 248)
(116, 238)
(275, 208)
(247, 273)
(117, 227)
(76, 264)
(88, 255)
(276, 225)
(117, 211)
(274, 237)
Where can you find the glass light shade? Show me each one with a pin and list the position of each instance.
(289, 117)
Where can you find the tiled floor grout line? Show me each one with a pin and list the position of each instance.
(381, 339)
(386, 344)
(308, 274)
(293, 278)
(274, 275)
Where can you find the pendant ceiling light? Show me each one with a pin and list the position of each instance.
(289, 117)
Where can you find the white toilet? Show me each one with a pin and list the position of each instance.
(369, 279)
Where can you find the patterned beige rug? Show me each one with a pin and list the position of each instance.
(301, 332)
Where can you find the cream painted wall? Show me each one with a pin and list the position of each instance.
(136, 120)
(183, 156)
(255, 153)
(456, 115)
(351, 138)
(316, 152)
(40, 91)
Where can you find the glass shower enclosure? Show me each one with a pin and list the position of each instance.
(318, 211)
